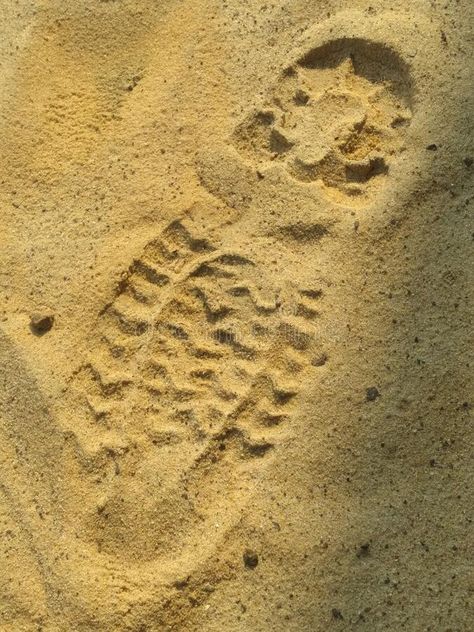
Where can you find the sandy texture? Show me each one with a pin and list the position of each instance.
(236, 316)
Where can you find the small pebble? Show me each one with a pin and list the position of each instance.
(41, 322)
(320, 360)
(372, 394)
(250, 559)
(337, 614)
(301, 98)
(364, 550)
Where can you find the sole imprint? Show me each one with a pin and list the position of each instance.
(190, 384)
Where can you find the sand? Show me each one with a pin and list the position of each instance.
(236, 291)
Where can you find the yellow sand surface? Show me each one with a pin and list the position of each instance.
(236, 315)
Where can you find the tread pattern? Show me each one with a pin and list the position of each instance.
(194, 345)
(191, 381)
